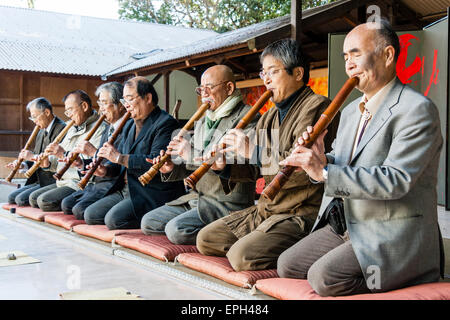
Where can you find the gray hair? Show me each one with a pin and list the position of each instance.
(40, 104)
(387, 37)
(289, 52)
(115, 90)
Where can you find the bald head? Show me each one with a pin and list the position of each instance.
(220, 72)
(381, 34)
(370, 54)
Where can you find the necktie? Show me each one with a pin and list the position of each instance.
(111, 130)
(366, 116)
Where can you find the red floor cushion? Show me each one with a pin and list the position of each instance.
(8, 206)
(296, 289)
(220, 268)
(101, 232)
(157, 246)
(67, 221)
(35, 213)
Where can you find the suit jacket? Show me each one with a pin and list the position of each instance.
(389, 188)
(102, 186)
(154, 136)
(42, 177)
(218, 194)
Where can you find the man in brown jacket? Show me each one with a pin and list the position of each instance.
(253, 238)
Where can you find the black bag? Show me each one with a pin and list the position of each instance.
(335, 216)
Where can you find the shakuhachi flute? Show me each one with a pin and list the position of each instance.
(194, 177)
(82, 184)
(58, 139)
(272, 189)
(20, 160)
(58, 175)
(148, 176)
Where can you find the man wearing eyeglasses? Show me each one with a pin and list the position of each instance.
(41, 113)
(224, 188)
(253, 238)
(109, 95)
(148, 133)
(78, 107)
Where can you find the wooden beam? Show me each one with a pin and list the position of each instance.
(176, 108)
(156, 78)
(362, 14)
(22, 107)
(349, 21)
(401, 10)
(296, 20)
(249, 83)
(167, 90)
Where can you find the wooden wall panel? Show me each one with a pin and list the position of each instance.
(9, 87)
(17, 89)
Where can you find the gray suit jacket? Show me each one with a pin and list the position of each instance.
(389, 188)
(41, 176)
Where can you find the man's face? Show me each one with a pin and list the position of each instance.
(215, 89)
(278, 80)
(107, 107)
(362, 60)
(135, 104)
(75, 109)
(41, 118)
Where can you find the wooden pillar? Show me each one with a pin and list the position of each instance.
(296, 20)
(22, 113)
(167, 90)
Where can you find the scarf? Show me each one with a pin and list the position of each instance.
(212, 118)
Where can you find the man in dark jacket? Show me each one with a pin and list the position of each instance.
(145, 137)
(41, 113)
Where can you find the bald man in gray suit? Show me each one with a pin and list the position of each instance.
(377, 228)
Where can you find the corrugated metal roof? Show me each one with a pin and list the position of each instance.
(223, 40)
(220, 41)
(41, 41)
(235, 37)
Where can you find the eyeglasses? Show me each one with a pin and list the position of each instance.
(35, 118)
(270, 73)
(207, 88)
(128, 101)
(69, 111)
(103, 104)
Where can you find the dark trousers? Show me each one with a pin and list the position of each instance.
(96, 212)
(116, 211)
(77, 202)
(327, 260)
(122, 216)
(36, 193)
(49, 198)
(21, 195)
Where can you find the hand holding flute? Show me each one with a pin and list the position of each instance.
(309, 137)
(42, 160)
(24, 155)
(148, 176)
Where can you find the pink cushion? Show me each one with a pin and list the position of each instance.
(220, 268)
(296, 289)
(67, 221)
(156, 246)
(8, 206)
(102, 232)
(35, 213)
